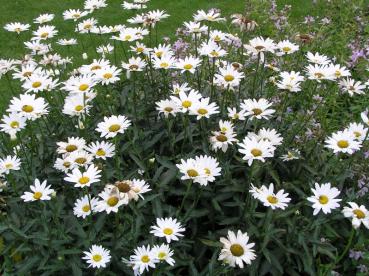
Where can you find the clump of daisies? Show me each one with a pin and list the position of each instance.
(202, 169)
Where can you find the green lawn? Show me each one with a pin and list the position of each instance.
(180, 10)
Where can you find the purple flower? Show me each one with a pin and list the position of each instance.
(309, 19)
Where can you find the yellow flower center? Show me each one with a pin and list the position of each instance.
(286, 49)
(214, 53)
(9, 165)
(108, 76)
(357, 134)
(342, 144)
(168, 231)
(188, 66)
(44, 35)
(27, 74)
(114, 128)
(84, 180)
(83, 87)
(123, 186)
(202, 111)
(186, 104)
(133, 67)
(87, 26)
(237, 250)
(217, 38)
(97, 257)
(162, 255)
(139, 49)
(27, 108)
(66, 164)
(323, 199)
(192, 173)
(337, 73)
(86, 208)
(70, 148)
(164, 65)
(100, 152)
(168, 109)
(256, 152)
(37, 195)
(78, 108)
(112, 201)
(259, 47)
(257, 111)
(228, 78)
(36, 84)
(318, 75)
(207, 171)
(222, 138)
(80, 160)
(95, 67)
(14, 124)
(159, 54)
(127, 37)
(145, 259)
(272, 199)
(359, 214)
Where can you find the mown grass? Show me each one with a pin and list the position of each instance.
(180, 10)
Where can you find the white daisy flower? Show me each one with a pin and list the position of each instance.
(134, 64)
(203, 109)
(210, 16)
(80, 158)
(72, 14)
(351, 87)
(16, 27)
(84, 179)
(258, 109)
(236, 249)
(108, 74)
(317, 58)
(168, 107)
(358, 130)
(188, 64)
(291, 155)
(236, 115)
(12, 123)
(163, 253)
(44, 32)
(186, 101)
(324, 198)
(110, 200)
(167, 228)
(143, 259)
(101, 149)
(39, 192)
(343, 141)
(113, 125)
(359, 214)
(72, 144)
(9, 163)
(28, 106)
(44, 18)
(286, 47)
(274, 200)
(97, 256)
(84, 206)
(256, 150)
(137, 187)
(228, 77)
